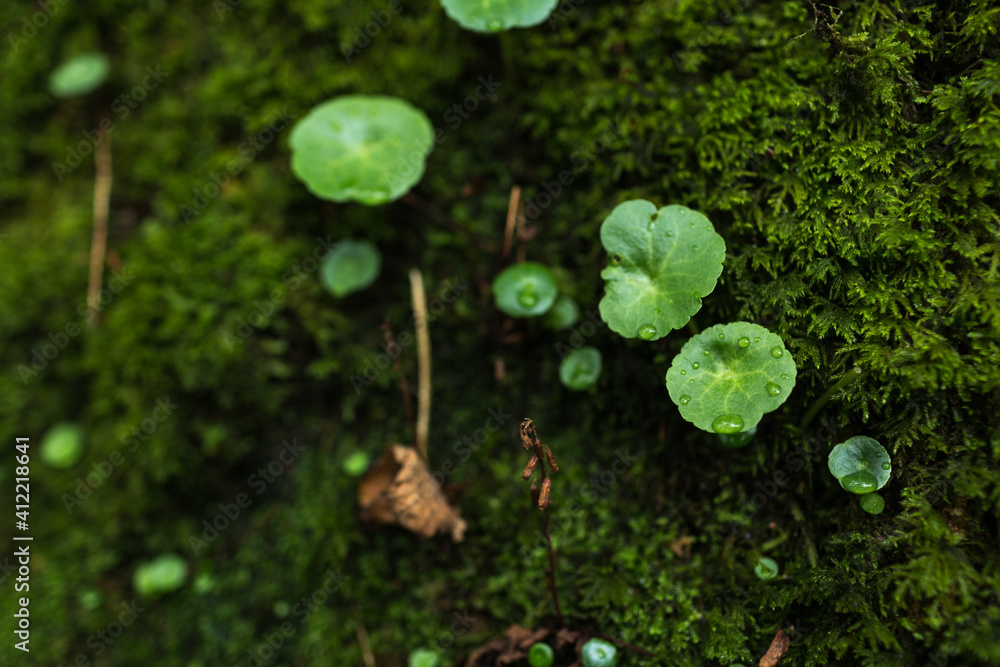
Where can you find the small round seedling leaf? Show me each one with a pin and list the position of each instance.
(860, 464)
(369, 149)
(164, 574)
(872, 503)
(540, 655)
(423, 657)
(563, 314)
(661, 265)
(79, 75)
(351, 267)
(766, 568)
(62, 445)
(497, 15)
(581, 368)
(525, 290)
(725, 379)
(356, 464)
(598, 653)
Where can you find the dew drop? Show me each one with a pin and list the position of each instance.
(527, 299)
(886, 466)
(777, 352)
(743, 341)
(729, 423)
(756, 339)
(651, 225)
(722, 336)
(683, 372)
(669, 233)
(691, 380)
(685, 399)
(708, 353)
(859, 482)
(784, 376)
(690, 225)
(772, 389)
(695, 365)
(694, 248)
(646, 331)
(494, 24)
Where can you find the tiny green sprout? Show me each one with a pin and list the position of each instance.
(203, 583)
(581, 368)
(766, 568)
(872, 503)
(860, 464)
(737, 440)
(497, 15)
(540, 655)
(163, 574)
(80, 75)
(722, 385)
(598, 653)
(361, 148)
(62, 445)
(661, 265)
(356, 464)
(525, 290)
(564, 313)
(351, 267)
(90, 599)
(423, 657)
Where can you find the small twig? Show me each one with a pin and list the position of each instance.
(423, 361)
(404, 386)
(99, 242)
(778, 648)
(508, 232)
(364, 644)
(442, 218)
(543, 455)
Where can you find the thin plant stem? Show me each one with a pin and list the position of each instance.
(102, 204)
(848, 378)
(423, 361)
(552, 560)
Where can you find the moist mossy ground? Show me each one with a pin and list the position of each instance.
(849, 157)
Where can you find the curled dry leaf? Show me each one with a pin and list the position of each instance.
(779, 645)
(399, 489)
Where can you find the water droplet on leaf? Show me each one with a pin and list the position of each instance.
(743, 341)
(694, 248)
(784, 376)
(695, 365)
(685, 399)
(886, 466)
(722, 336)
(683, 372)
(708, 353)
(730, 423)
(527, 299)
(777, 352)
(859, 482)
(772, 389)
(756, 339)
(646, 332)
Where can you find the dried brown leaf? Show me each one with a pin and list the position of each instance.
(779, 645)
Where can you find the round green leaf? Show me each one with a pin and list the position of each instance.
(369, 149)
(872, 503)
(598, 653)
(163, 574)
(90, 599)
(540, 655)
(563, 314)
(727, 377)
(356, 464)
(766, 568)
(662, 264)
(525, 290)
(351, 267)
(860, 454)
(62, 445)
(581, 368)
(80, 75)
(423, 657)
(497, 15)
